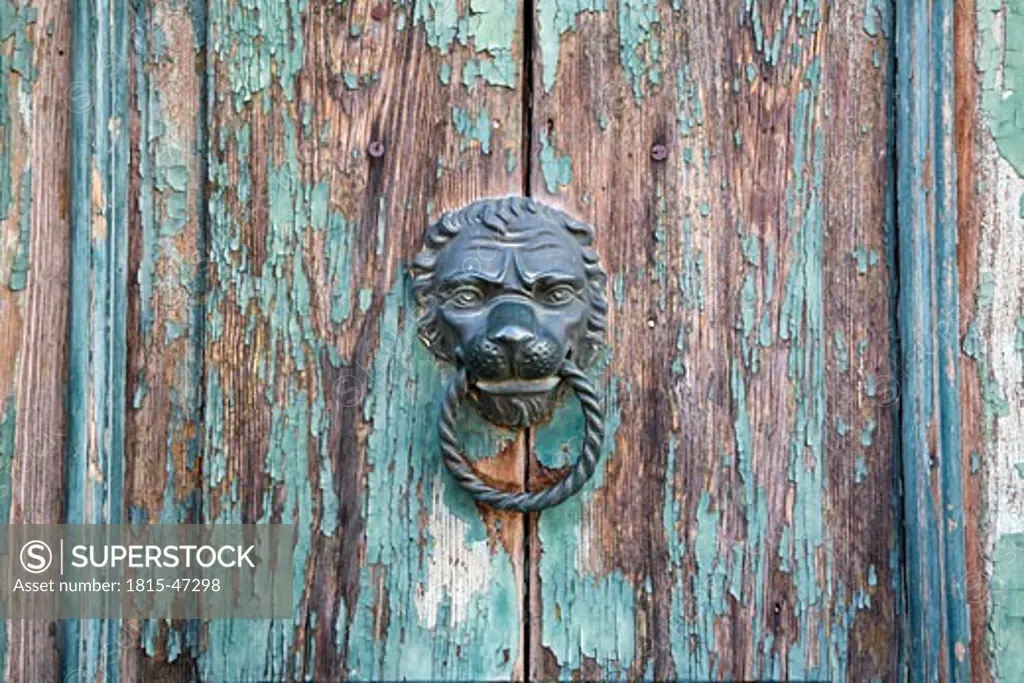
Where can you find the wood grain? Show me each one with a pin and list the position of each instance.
(991, 272)
(93, 490)
(34, 78)
(166, 212)
(239, 255)
(974, 584)
(320, 403)
(743, 525)
(938, 633)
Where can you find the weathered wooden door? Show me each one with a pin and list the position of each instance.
(209, 209)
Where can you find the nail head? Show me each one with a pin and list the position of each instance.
(375, 149)
(659, 152)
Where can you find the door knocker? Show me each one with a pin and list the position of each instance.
(512, 292)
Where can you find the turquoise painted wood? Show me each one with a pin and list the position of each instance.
(990, 190)
(34, 75)
(97, 308)
(745, 515)
(929, 325)
(241, 342)
(318, 400)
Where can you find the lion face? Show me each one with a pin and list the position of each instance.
(511, 295)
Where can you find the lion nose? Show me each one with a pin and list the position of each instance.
(511, 323)
(511, 334)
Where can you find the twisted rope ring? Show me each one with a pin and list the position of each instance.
(525, 501)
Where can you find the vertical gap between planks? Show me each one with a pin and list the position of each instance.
(529, 12)
(78, 311)
(203, 133)
(895, 359)
(197, 305)
(529, 518)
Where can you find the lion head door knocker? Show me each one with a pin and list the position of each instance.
(512, 292)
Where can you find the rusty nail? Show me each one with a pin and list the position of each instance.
(379, 12)
(376, 149)
(659, 152)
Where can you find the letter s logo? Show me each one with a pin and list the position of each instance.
(36, 557)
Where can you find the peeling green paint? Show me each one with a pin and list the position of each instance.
(639, 50)
(709, 590)
(365, 299)
(491, 28)
(689, 110)
(842, 351)
(20, 265)
(556, 168)
(15, 21)
(469, 129)
(865, 258)
(339, 266)
(691, 276)
(877, 17)
(748, 314)
(17, 28)
(659, 274)
(439, 19)
(999, 24)
(867, 434)
(584, 614)
(433, 609)
(555, 17)
(806, 16)
(273, 300)
(258, 40)
(1006, 587)
(671, 511)
(993, 399)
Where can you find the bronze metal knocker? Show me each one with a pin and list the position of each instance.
(512, 292)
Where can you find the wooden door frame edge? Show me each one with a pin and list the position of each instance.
(936, 626)
(98, 303)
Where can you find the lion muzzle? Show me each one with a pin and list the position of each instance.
(512, 354)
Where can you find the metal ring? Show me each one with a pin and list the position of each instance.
(525, 501)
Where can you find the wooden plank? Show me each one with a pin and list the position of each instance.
(166, 209)
(743, 523)
(320, 403)
(929, 355)
(34, 77)
(990, 98)
(98, 304)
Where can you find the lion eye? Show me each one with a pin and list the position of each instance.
(559, 295)
(466, 296)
